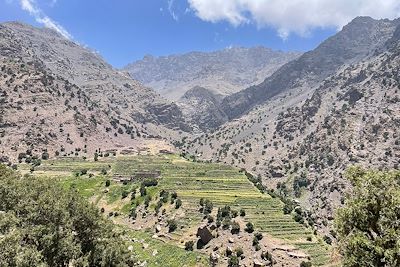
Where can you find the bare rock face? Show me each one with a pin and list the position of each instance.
(223, 72)
(201, 108)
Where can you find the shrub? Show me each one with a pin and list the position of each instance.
(249, 227)
(172, 225)
(150, 182)
(189, 245)
(45, 156)
(147, 200)
(239, 252)
(242, 213)
(305, 264)
(235, 228)
(125, 194)
(143, 190)
(178, 203)
(108, 183)
(233, 261)
(258, 235)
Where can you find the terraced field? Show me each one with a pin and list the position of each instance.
(221, 184)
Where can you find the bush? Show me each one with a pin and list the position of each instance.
(328, 240)
(249, 227)
(255, 241)
(234, 213)
(172, 225)
(208, 206)
(125, 194)
(108, 183)
(242, 213)
(258, 235)
(178, 203)
(298, 217)
(266, 256)
(65, 228)
(147, 200)
(233, 261)
(226, 223)
(305, 264)
(150, 182)
(143, 190)
(235, 228)
(45, 156)
(189, 245)
(239, 252)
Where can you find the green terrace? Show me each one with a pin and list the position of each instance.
(221, 184)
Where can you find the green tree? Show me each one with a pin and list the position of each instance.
(368, 226)
(43, 224)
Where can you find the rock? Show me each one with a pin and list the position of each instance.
(155, 252)
(214, 257)
(106, 190)
(297, 254)
(258, 263)
(158, 228)
(130, 248)
(145, 245)
(230, 240)
(204, 234)
(143, 264)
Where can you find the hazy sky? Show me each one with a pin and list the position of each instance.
(125, 30)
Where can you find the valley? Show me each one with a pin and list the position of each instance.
(288, 241)
(236, 157)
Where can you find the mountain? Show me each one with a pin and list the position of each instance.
(59, 96)
(356, 40)
(301, 140)
(201, 108)
(223, 72)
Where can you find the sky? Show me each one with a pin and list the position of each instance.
(123, 31)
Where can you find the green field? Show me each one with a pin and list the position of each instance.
(221, 184)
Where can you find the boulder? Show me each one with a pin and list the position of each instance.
(204, 234)
(258, 263)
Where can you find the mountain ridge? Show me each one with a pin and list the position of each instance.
(222, 71)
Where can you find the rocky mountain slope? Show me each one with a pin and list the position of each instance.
(223, 72)
(58, 96)
(300, 141)
(201, 108)
(356, 40)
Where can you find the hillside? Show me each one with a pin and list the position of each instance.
(300, 142)
(62, 98)
(147, 212)
(223, 72)
(201, 108)
(355, 41)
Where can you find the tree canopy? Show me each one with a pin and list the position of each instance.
(43, 224)
(368, 226)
